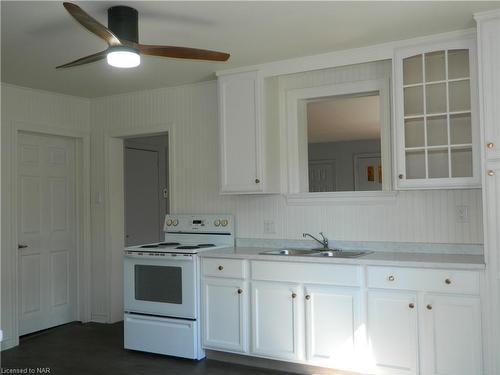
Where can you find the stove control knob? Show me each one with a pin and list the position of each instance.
(224, 223)
(175, 222)
(169, 222)
(217, 223)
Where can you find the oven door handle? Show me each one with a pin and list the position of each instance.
(168, 257)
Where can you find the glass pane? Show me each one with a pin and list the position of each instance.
(435, 98)
(459, 96)
(158, 283)
(414, 132)
(438, 163)
(415, 164)
(414, 104)
(435, 66)
(461, 162)
(460, 129)
(437, 131)
(458, 63)
(412, 70)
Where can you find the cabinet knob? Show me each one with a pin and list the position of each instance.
(401, 176)
(490, 145)
(448, 281)
(491, 172)
(308, 297)
(294, 295)
(240, 291)
(411, 305)
(429, 307)
(257, 181)
(220, 268)
(390, 278)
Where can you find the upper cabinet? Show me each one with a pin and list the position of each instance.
(247, 165)
(489, 63)
(435, 123)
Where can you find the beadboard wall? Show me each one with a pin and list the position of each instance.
(34, 108)
(413, 216)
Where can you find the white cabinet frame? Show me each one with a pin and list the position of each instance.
(401, 183)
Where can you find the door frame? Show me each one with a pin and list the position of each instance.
(114, 207)
(82, 227)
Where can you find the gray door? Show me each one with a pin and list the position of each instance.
(142, 196)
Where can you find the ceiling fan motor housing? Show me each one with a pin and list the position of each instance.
(123, 22)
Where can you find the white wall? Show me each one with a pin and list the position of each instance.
(414, 216)
(36, 108)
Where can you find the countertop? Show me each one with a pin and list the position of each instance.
(378, 258)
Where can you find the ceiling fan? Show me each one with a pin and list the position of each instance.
(122, 36)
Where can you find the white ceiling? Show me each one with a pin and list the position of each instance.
(343, 119)
(38, 35)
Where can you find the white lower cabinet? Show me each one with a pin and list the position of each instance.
(451, 335)
(392, 332)
(224, 314)
(275, 320)
(332, 325)
(395, 320)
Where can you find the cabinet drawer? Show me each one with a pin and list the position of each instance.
(451, 281)
(219, 267)
(333, 274)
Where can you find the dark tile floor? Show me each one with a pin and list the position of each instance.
(95, 349)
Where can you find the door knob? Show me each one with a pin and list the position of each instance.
(308, 297)
(490, 145)
(294, 295)
(20, 246)
(240, 291)
(491, 172)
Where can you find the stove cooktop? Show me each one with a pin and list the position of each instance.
(174, 247)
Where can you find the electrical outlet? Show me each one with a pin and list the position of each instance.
(462, 214)
(269, 227)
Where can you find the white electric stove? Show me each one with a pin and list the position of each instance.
(162, 285)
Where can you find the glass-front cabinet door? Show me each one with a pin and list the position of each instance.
(435, 116)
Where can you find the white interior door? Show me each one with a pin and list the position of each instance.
(46, 232)
(142, 196)
(322, 175)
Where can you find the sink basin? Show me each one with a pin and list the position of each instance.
(340, 254)
(316, 253)
(296, 252)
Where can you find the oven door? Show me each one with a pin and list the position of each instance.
(162, 285)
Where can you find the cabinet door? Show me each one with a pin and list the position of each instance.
(392, 332)
(275, 320)
(332, 323)
(436, 122)
(224, 314)
(489, 84)
(451, 335)
(240, 132)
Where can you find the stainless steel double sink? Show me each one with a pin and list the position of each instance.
(334, 253)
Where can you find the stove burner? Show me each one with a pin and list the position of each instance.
(169, 244)
(206, 245)
(188, 247)
(149, 246)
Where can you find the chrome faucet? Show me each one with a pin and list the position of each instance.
(323, 242)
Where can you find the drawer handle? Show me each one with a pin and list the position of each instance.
(491, 172)
(429, 307)
(257, 181)
(294, 295)
(220, 268)
(448, 281)
(490, 145)
(240, 291)
(400, 176)
(411, 305)
(391, 278)
(308, 297)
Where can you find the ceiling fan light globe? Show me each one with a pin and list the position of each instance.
(123, 58)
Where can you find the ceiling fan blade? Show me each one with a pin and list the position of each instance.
(85, 60)
(182, 52)
(92, 24)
